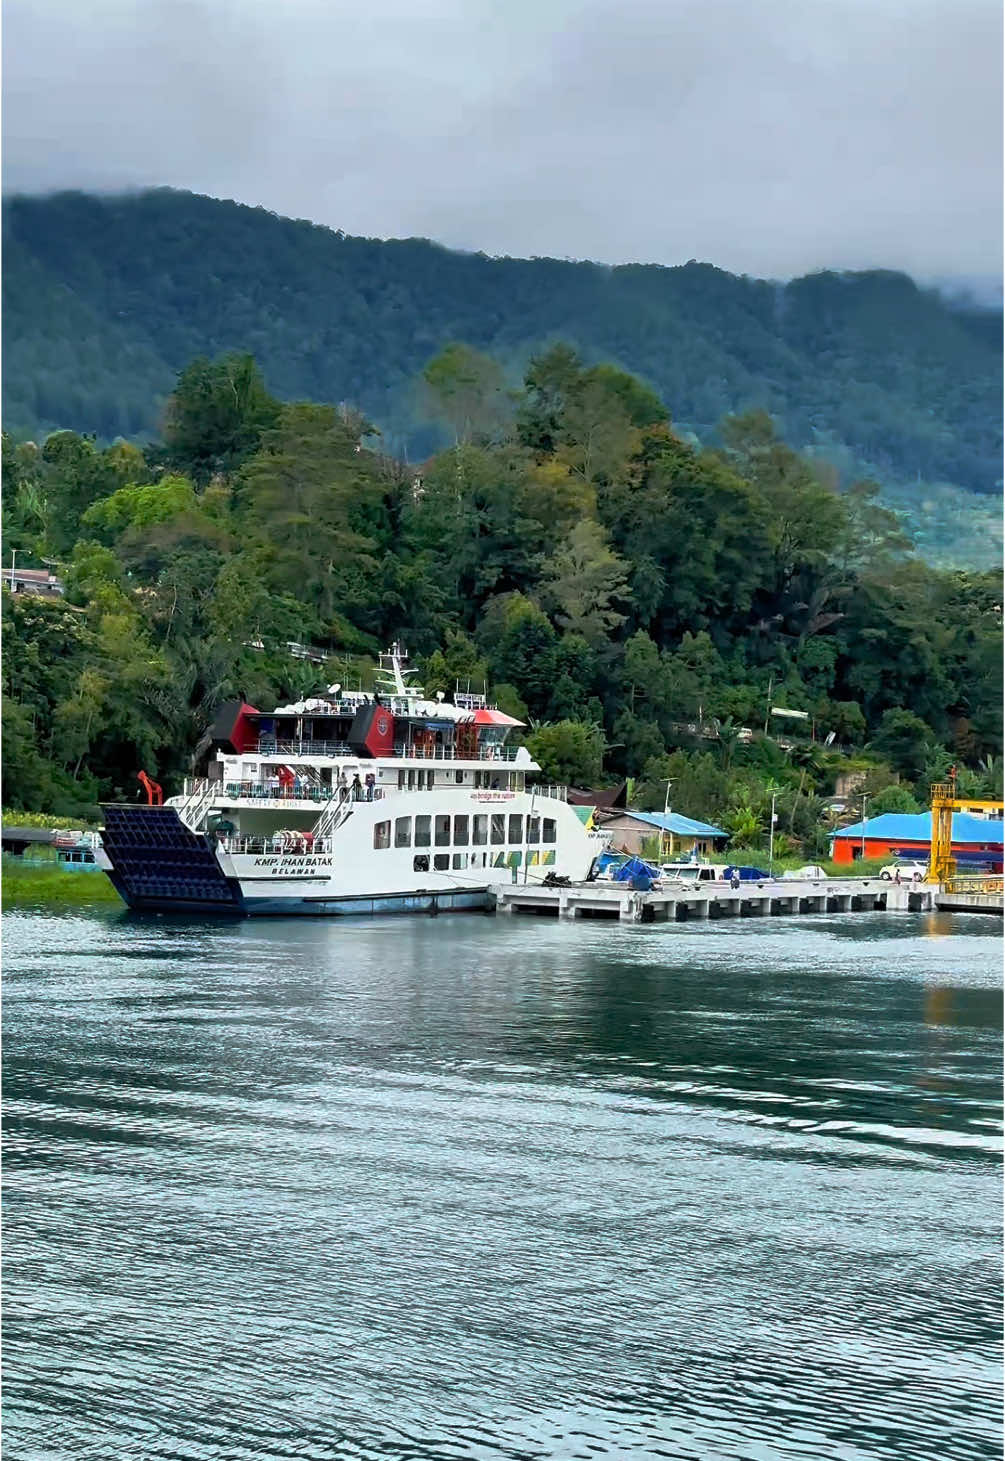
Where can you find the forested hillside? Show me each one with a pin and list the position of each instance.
(636, 600)
(105, 299)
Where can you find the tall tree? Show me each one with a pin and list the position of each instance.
(217, 415)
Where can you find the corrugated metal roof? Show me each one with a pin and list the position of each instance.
(917, 827)
(674, 822)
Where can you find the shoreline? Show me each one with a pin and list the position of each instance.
(39, 886)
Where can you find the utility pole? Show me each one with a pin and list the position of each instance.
(666, 832)
(865, 798)
(771, 837)
(13, 557)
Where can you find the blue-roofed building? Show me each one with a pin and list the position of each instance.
(976, 840)
(630, 829)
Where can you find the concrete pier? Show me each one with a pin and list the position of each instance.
(679, 901)
(969, 902)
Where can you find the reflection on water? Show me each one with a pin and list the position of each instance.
(502, 1188)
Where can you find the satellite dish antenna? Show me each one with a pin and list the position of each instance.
(439, 696)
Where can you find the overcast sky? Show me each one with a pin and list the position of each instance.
(766, 136)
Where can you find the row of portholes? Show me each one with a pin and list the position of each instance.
(457, 861)
(463, 830)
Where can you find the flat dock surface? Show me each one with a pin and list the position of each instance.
(678, 901)
(969, 902)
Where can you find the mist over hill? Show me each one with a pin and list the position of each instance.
(107, 298)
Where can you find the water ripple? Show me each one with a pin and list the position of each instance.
(488, 1190)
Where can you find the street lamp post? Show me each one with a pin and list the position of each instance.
(13, 558)
(865, 798)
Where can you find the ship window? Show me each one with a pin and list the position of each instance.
(549, 829)
(401, 780)
(441, 831)
(498, 829)
(382, 834)
(402, 831)
(481, 831)
(420, 864)
(533, 829)
(459, 777)
(441, 861)
(460, 831)
(422, 832)
(460, 859)
(516, 829)
(411, 779)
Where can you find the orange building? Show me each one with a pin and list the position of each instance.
(977, 841)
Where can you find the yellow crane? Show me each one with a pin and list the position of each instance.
(941, 862)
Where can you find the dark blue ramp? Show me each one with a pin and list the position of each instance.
(158, 864)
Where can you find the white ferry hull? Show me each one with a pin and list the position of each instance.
(158, 864)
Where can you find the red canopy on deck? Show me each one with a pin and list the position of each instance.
(494, 717)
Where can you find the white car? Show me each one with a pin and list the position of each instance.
(811, 871)
(910, 872)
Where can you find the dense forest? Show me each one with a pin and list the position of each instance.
(637, 601)
(106, 299)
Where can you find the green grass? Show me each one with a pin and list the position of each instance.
(35, 885)
(866, 867)
(50, 820)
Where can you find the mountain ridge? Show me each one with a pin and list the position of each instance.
(106, 298)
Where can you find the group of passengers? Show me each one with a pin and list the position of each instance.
(357, 789)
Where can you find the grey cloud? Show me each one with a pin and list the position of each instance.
(769, 137)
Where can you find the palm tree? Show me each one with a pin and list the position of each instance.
(806, 756)
(727, 733)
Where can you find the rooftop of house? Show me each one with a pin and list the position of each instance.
(917, 827)
(675, 823)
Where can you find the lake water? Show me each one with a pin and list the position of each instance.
(463, 1187)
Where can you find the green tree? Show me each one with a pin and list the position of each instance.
(568, 752)
(904, 740)
(583, 581)
(320, 506)
(466, 391)
(893, 799)
(217, 415)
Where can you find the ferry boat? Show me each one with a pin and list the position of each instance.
(349, 802)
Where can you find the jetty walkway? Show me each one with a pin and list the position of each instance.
(788, 897)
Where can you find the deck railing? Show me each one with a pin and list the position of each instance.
(315, 792)
(281, 842)
(337, 750)
(268, 746)
(973, 885)
(451, 753)
(318, 792)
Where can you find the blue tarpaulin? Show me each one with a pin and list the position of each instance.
(638, 873)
